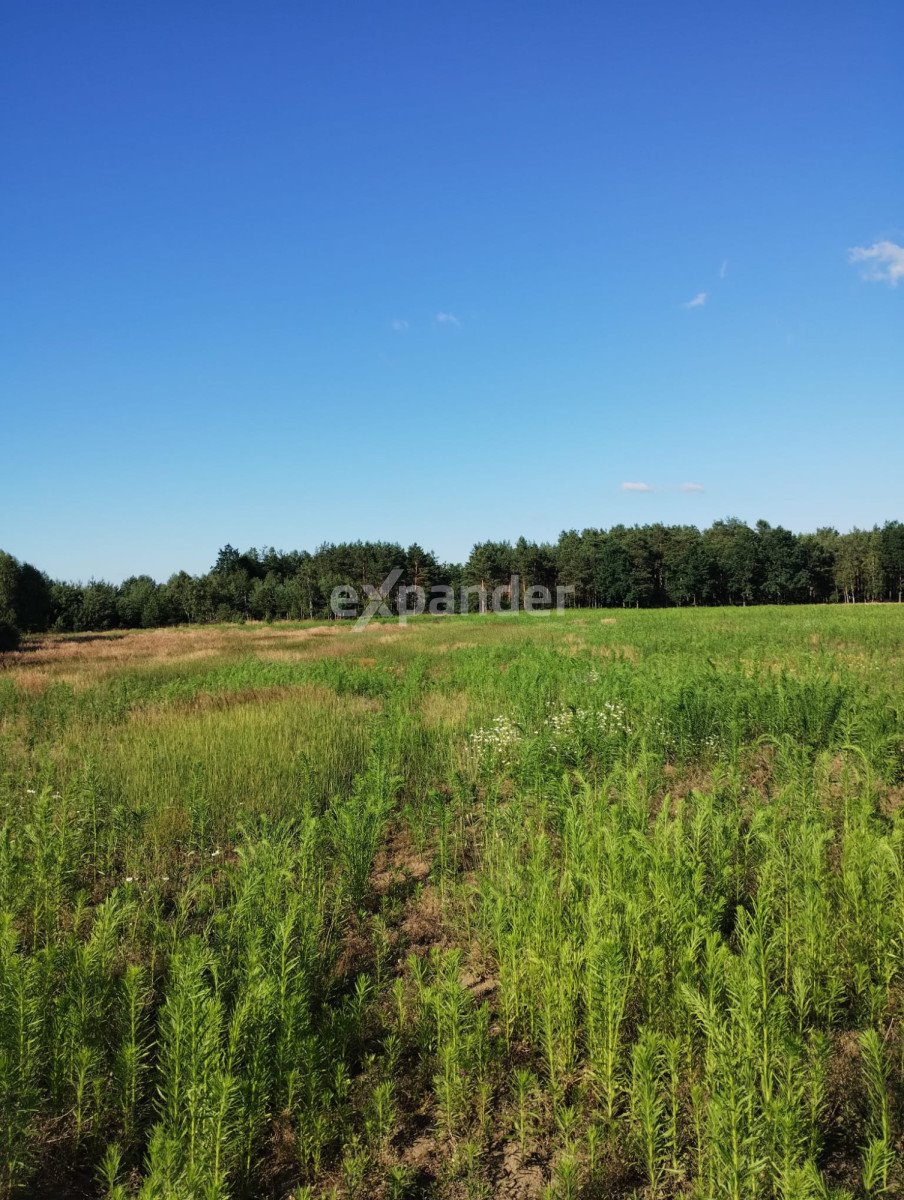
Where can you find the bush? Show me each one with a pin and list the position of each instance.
(9, 635)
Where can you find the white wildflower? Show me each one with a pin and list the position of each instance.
(497, 740)
(610, 719)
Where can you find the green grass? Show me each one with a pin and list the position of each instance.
(600, 904)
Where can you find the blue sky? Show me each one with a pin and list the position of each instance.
(286, 273)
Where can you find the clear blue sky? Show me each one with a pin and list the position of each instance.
(292, 272)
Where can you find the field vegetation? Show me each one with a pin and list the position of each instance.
(593, 904)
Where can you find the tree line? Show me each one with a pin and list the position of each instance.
(641, 566)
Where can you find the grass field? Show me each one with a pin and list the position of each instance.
(596, 904)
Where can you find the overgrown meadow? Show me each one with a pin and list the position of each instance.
(594, 904)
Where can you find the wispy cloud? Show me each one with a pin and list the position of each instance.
(883, 261)
(662, 487)
(447, 318)
(698, 301)
(399, 325)
(723, 270)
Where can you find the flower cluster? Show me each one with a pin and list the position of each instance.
(610, 719)
(500, 739)
(497, 740)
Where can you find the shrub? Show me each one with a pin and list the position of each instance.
(9, 634)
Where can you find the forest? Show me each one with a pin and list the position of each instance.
(642, 566)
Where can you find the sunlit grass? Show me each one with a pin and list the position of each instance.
(606, 903)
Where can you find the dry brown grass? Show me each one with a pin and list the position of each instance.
(445, 709)
(83, 660)
(627, 652)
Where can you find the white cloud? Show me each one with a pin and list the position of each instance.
(884, 261)
(637, 487)
(399, 325)
(447, 318)
(698, 301)
(723, 270)
(692, 487)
